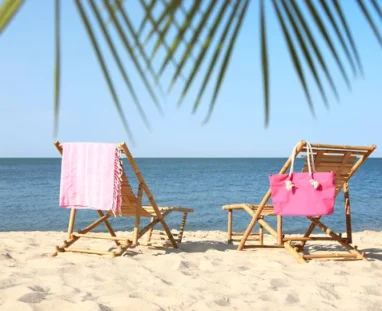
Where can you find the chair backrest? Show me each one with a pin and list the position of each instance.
(129, 199)
(342, 160)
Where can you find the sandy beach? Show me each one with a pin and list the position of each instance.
(203, 274)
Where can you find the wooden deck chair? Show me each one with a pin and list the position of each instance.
(344, 161)
(131, 207)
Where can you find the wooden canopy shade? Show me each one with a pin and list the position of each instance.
(131, 207)
(344, 161)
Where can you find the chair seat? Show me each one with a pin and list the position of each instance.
(267, 211)
(148, 211)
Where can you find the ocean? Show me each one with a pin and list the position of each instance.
(29, 192)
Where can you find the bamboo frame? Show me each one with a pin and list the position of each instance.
(156, 213)
(335, 157)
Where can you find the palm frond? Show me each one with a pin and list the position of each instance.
(227, 58)
(129, 48)
(264, 60)
(333, 22)
(293, 53)
(205, 45)
(117, 59)
(317, 52)
(377, 8)
(321, 27)
(8, 10)
(173, 47)
(57, 67)
(337, 6)
(218, 51)
(192, 43)
(370, 20)
(104, 68)
(305, 51)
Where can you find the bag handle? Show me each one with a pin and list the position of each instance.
(311, 167)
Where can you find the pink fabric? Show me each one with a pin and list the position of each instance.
(303, 199)
(91, 177)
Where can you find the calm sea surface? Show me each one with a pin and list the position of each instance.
(29, 191)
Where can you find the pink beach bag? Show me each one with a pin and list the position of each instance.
(303, 194)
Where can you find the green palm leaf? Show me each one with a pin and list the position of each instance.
(338, 9)
(105, 71)
(264, 60)
(325, 34)
(293, 53)
(8, 10)
(129, 48)
(370, 20)
(210, 52)
(117, 59)
(227, 58)
(218, 52)
(305, 51)
(330, 16)
(57, 69)
(206, 44)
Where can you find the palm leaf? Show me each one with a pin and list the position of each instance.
(118, 61)
(370, 21)
(57, 69)
(330, 16)
(181, 32)
(305, 51)
(325, 34)
(167, 13)
(377, 7)
(192, 44)
(227, 58)
(218, 51)
(338, 9)
(129, 25)
(130, 51)
(148, 15)
(301, 20)
(264, 61)
(8, 10)
(206, 44)
(105, 71)
(171, 7)
(293, 53)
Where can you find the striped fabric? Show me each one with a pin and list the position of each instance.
(91, 175)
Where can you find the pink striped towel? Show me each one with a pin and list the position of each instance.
(91, 177)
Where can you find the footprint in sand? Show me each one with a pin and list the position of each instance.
(34, 297)
(373, 290)
(37, 295)
(278, 283)
(222, 301)
(292, 298)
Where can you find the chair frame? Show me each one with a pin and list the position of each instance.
(259, 212)
(156, 213)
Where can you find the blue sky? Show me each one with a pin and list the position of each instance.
(236, 128)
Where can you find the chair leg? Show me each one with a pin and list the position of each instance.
(279, 230)
(308, 232)
(348, 214)
(182, 226)
(71, 222)
(229, 231)
(108, 226)
(72, 239)
(336, 237)
(261, 235)
(150, 232)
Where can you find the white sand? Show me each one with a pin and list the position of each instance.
(204, 274)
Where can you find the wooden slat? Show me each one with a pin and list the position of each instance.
(330, 255)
